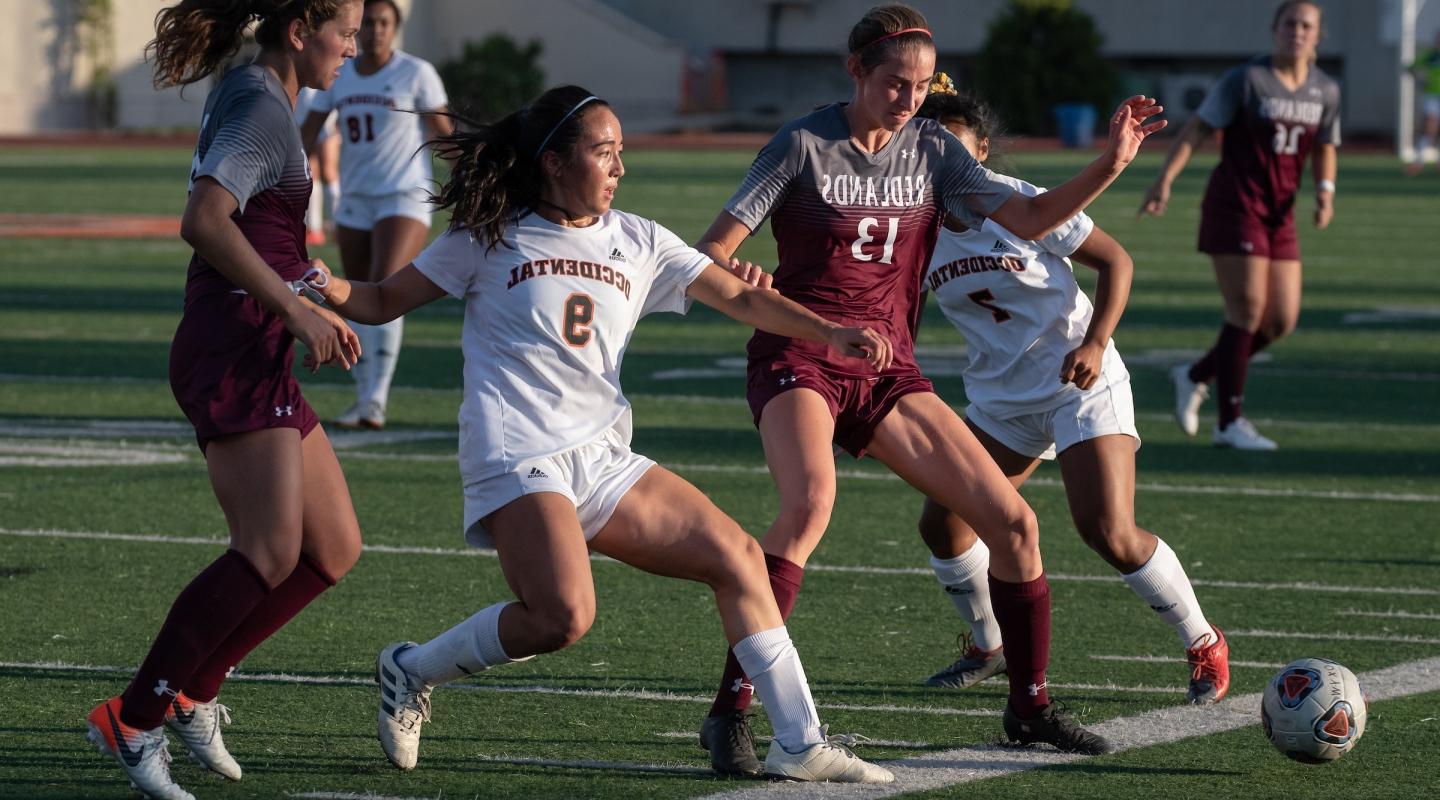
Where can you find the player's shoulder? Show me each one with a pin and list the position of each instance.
(413, 64)
(826, 123)
(1022, 187)
(1324, 81)
(631, 226)
(251, 91)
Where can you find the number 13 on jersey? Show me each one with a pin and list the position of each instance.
(866, 236)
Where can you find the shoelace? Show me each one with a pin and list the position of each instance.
(222, 711)
(846, 740)
(413, 703)
(741, 736)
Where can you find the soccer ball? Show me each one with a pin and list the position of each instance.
(1313, 710)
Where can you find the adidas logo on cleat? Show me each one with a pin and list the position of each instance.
(535, 472)
(616, 255)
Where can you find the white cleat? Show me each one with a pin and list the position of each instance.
(144, 755)
(1189, 395)
(826, 761)
(404, 707)
(198, 726)
(364, 414)
(1241, 435)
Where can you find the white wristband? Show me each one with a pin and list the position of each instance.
(1325, 186)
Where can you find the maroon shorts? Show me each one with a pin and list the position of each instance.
(1225, 232)
(857, 404)
(230, 369)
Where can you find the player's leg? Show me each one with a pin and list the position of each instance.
(667, 527)
(961, 563)
(356, 259)
(257, 477)
(394, 242)
(543, 555)
(1099, 476)
(330, 546)
(1244, 282)
(315, 209)
(330, 173)
(796, 429)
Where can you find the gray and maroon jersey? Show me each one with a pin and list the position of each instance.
(1269, 131)
(249, 144)
(854, 229)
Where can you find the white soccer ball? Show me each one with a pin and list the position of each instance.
(1313, 710)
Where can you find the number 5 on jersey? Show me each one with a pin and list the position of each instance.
(579, 313)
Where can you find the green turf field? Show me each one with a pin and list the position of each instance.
(1328, 547)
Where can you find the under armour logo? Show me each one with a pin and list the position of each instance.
(907, 153)
(163, 688)
(1247, 247)
(741, 686)
(1034, 689)
(536, 472)
(616, 255)
(284, 411)
(784, 379)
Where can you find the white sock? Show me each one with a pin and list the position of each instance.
(469, 647)
(364, 369)
(332, 199)
(966, 579)
(315, 211)
(770, 661)
(386, 341)
(1164, 586)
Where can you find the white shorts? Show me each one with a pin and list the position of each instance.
(1431, 105)
(1101, 411)
(328, 130)
(594, 476)
(362, 211)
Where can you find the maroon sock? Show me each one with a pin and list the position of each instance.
(1203, 371)
(1232, 363)
(735, 689)
(1023, 613)
(285, 601)
(204, 614)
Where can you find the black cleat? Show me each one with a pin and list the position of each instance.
(732, 745)
(1053, 726)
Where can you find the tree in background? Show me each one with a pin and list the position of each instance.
(1038, 54)
(493, 77)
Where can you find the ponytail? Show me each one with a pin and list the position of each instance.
(495, 176)
(194, 37)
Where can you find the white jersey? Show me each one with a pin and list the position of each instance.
(548, 314)
(1021, 312)
(381, 145)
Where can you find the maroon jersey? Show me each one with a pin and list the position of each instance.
(854, 229)
(249, 144)
(1269, 132)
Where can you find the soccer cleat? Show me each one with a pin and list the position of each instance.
(1209, 669)
(973, 666)
(1053, 726)
(198, 726)
(144, 755)
(314, 238)
(731, 743)
(827, 761)
(1188, 397)
(404, 707)
(1241, 435)
(364, 414)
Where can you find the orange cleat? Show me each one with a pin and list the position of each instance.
(144, 755)
(314, 238)
(1209, 663)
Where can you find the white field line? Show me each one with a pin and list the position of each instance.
(937, 771)
(355, 796)
(1173, 660)
(1355, 612)
(629, 694)
(41, 454)
(1333, 637)
(867, 741)
(471, 552)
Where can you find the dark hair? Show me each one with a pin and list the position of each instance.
(194, 37)
(885, 21)
(951, 106)
(1289, 4)
(495, 169)
(394, 6)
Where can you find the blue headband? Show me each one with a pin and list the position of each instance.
(568, 115)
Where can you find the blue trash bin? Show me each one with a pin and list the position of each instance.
(1077, 124)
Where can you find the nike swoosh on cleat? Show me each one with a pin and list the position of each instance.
(181, 715)
(131, 757)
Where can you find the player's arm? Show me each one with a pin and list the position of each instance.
(310, 129)
(377, 303)
(1194, 134)
(1116, 269)
(723, 238)
(770, 311)
(1323, 161)
(208, 226)
(438, 122)
(1032, 217)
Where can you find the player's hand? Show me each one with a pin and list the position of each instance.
(1324, 209)
(326, 337)
(1156, 200)
(751, 273)
(320, 278)
(1082, 365)
(863, 343)
(1131, 123)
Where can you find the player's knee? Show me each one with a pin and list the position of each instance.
(734, 557)
(563, 623)
(808, 513)
(1278, 328)
(274, 561)
(1114, 538)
